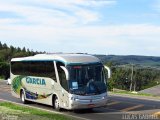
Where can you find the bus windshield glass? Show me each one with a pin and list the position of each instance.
(86, 79)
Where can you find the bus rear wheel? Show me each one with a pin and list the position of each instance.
(23, 99)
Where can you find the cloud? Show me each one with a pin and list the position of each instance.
(54, 13)
(60, 26)
(94, 3)
(86, 16)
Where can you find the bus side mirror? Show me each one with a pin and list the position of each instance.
(108, 70)
(66, 72)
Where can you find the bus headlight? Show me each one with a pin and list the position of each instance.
(74, 98)
(104, 97)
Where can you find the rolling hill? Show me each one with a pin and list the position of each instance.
(131, 59)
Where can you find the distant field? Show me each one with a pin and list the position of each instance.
(131, 59)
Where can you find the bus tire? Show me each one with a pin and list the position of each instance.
(56, 104)
(22, 96)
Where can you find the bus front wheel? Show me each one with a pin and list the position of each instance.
(56, 104)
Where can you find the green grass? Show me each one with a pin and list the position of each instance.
(130, 93)
(28, 113)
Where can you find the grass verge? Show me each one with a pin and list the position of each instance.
(130, 93)
(26, 113)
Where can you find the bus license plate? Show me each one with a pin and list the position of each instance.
(91, 105)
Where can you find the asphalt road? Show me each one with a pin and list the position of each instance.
(118, 107)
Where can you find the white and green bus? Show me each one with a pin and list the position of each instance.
(69, 81)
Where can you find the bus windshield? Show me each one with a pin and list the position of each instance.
(86, 79)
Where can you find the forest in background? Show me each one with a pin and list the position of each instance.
(140, 77)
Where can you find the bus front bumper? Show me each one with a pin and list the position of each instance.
(88, 103)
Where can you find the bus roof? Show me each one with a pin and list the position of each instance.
(65, 58)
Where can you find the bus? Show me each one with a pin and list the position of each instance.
(68, 81)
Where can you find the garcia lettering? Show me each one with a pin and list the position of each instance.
(37, 81)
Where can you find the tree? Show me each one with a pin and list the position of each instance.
(24, 49)
(4, 46)
(18, 49)
(1, 45)
(12, 49)
(28, 50)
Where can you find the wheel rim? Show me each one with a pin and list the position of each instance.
(56, 103)
(22, 97)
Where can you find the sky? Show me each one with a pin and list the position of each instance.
(119, 27)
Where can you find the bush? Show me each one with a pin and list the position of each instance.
(4, 70)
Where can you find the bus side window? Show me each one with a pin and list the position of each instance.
(34, 68)
(50, 71)
(62, 76)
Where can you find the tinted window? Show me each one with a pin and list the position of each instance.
(34, 68)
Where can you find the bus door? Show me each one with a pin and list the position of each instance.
(62, 73)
